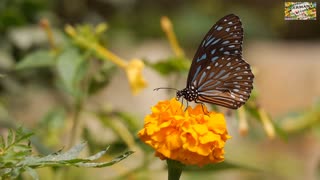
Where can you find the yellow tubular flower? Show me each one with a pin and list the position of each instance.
(190, 136)
(44, 23)
(267, 124)
(243, 122)
(167, 28)
(134, 73)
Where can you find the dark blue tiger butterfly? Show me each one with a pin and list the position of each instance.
(218, 73)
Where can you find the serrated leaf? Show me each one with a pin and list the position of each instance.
(32, 173)
(24, 137)
(72, 153)
(4, 171)
(104, 164)
(10, 137)
(22, 147)
(97, 155)
(55, 157)
(2, 143)
(69, 66)
(41, 58)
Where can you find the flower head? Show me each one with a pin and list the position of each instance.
(134, 73)
(191, 137)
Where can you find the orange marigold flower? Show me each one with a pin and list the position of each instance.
(191, 137)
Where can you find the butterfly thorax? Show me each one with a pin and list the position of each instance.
(190, 94)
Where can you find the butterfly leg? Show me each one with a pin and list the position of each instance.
(202, 105)
(186, 106)
(181, 103)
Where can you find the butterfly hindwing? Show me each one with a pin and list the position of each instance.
(229, 80)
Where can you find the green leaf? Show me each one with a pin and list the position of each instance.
(4, 171)
(10, 137)
(70, 65)
(97, 155)
(69, 158)
(129, 119)
(2, 143)
(104, 164)
(102, 78)
(41, 58)
(56, 157)
(170, 65)
(53, 119)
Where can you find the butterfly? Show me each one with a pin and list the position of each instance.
(218, 73)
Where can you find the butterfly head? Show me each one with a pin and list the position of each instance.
(179, 95)
(190, 94)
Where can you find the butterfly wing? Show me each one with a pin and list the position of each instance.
(227, 82)
(218, 70)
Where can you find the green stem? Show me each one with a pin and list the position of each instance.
(174, 169)
(75, 122)
(80, 101)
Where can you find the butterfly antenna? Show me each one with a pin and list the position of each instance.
(156, 89)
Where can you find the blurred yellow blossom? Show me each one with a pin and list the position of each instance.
(45, 25)
(134, 73)
(190, 136)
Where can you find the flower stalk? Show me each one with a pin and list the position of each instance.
(45, 25)
(267, 124)
(99, 49)
(243, 122)
(168, 29)
(174, 169)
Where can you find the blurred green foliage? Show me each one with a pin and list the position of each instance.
(73, 74)
(15, 13)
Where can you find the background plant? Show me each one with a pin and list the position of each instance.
(71, 56)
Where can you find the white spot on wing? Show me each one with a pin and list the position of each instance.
(219, 28)
(226, 42)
